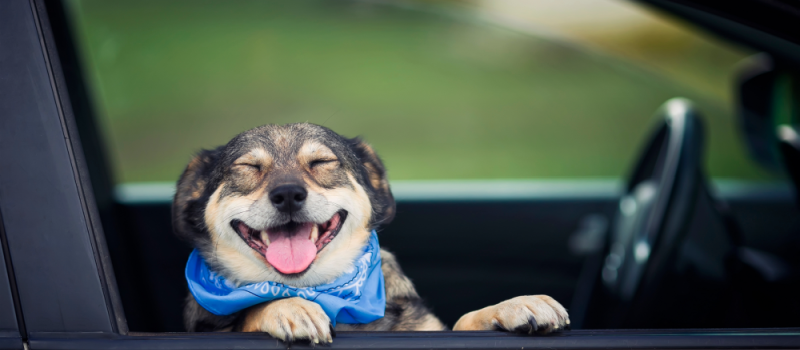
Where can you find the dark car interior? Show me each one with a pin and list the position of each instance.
(670, 250)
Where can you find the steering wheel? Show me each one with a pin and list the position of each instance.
(657, 204)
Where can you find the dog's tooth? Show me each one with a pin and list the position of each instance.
(265, 237)
(314, 233)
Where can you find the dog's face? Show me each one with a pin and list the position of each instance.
(293, 204)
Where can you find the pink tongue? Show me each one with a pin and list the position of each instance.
(291, 252)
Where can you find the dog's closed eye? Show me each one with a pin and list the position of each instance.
(249, 166)
(318, 162)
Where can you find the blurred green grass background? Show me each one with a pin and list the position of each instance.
(439, 95)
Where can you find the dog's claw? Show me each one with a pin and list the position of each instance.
(534, 326)
(527, 328)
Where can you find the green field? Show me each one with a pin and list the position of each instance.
(440, 97)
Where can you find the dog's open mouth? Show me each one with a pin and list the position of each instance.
(291, 248)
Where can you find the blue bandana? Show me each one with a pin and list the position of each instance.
(355, 297)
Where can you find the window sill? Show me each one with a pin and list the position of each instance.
(579, 339)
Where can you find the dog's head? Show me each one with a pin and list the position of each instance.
(289, 203)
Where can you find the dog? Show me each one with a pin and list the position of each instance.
(296, 205)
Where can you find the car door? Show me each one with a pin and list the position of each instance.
(54, 241)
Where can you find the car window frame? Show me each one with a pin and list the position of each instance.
(10, 316)
(50, 219)
(55, 88)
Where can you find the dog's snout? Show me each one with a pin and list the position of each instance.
(288, 198)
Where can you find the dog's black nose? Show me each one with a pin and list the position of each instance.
(288, 198)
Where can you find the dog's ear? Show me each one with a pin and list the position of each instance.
(192, 194)
(374, 174)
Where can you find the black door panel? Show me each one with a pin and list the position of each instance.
(461, 252)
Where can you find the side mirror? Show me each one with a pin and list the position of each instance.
(768, 96)
(789, 144)
(769, 114)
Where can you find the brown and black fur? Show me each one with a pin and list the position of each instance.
(206, 171)
(256, 161)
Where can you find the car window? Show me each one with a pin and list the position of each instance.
(560, 95)
(734, 259)
(476, 90)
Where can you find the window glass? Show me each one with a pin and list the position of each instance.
(453, 90)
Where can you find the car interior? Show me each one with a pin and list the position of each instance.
(667, 246)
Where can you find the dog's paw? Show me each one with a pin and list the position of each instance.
(290, 320)
(526, 314)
